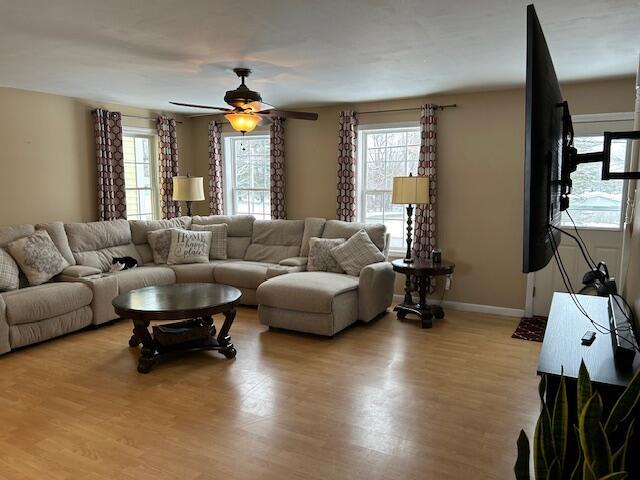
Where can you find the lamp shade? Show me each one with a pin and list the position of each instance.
(410, 190)
(188, 189)
(243, 122)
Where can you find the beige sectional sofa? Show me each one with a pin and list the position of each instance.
(266, 262)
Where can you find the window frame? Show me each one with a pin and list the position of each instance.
(152, 135)
(594, 125)
(361, 171)
(229, 167)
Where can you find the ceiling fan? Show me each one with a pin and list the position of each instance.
(248, 109)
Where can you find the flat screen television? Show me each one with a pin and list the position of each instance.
(543, 151)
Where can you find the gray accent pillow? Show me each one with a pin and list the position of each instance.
(320, 257)
(9, 272)
(218, 239)
(37, 257)
(160, 241)
(188, 246)
(356, 253)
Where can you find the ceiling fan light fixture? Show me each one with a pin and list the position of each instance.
(243, 122)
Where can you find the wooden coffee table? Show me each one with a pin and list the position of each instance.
(197, 302)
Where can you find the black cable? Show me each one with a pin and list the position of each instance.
(585, 255)
(575, 227)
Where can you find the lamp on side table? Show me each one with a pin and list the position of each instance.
(410, 191)
(188, 189)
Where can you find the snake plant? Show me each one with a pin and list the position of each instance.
(603, 439)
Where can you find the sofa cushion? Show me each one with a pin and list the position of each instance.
(340, 229)
(160, 243)
(196, 272)
(9, 272)
(95, 244)
(313, 227)
(320, 257)
(242, 274)
(239, 230)
(38, 257)
(140, 230)
(356, 253)
(146, 276)
(59, 237)
(33, 304)
(275, 240)
(30, 333)
(10, 233)
(218, 239)
(305, 291)
(188, 246)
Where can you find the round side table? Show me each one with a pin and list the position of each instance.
(423, 270)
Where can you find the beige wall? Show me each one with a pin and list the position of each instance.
(48, 170)
(47, 156)
(480, 170)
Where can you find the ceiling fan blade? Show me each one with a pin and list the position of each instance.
(223, 109)
(274, 112)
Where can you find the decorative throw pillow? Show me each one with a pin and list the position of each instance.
(218, 239)
(9, 272)
(37, 257)
(188, 246)
(160, 241)
(356, 253)
(320, 258)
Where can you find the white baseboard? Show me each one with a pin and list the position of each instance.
(474, 307)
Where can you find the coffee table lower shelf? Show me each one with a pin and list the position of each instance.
(154, 350)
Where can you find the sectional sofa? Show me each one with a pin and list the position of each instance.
(266, 262)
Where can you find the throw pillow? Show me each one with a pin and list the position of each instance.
(37, 257)
(356, 253)
(9, 272)
(188, 246)
(218, 239)
(320, 258)
(160, 241)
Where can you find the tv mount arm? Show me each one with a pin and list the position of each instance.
(571, 158)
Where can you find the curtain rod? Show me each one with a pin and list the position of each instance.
(439, 107)
(144, 118)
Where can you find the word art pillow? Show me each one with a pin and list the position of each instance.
(188, 246)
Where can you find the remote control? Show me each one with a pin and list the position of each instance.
(588, 338)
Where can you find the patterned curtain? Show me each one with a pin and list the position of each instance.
(347, 146)
(216, 199)
(425, 232)
(278, 192)
(168, 160)
(112, 202)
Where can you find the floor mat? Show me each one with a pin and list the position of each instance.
(531, 328)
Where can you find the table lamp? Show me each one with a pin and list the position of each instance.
(188, 189)
(410, 191)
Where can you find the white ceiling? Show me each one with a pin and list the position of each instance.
(310, 52)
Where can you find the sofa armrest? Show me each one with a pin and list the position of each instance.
(294, 262)
(4, 328)
(105, 289)
(78, 271)
(375, 290)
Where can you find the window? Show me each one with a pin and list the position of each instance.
(384, 153)
(597, 203)
(141, 185)
(248, 175)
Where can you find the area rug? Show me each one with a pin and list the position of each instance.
(531, 328)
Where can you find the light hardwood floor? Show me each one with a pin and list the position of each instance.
(386, 400)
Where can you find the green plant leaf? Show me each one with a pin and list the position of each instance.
(620, 457)
(625, 405)
(587, 472)
(554, 470)
(560, 424)
(584, 387)
(593, 440)
(542, 388)
(615, 476)
(539, 463)
(577, 469)
(521, 468)
(546, 437)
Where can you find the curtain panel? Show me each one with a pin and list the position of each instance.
(216, 191)
(112, 202)
(277, 170)
(347, 156)
(425, 231)
(168, 166)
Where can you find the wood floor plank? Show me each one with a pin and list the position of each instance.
(386, 400)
